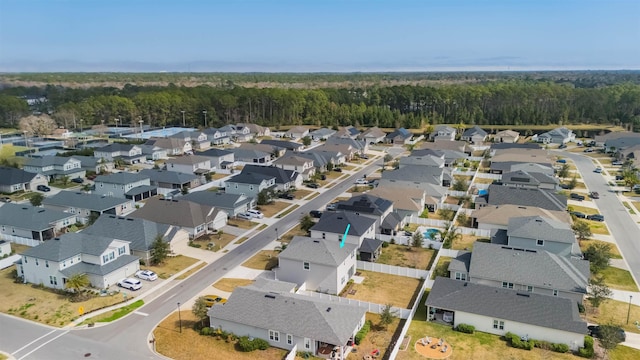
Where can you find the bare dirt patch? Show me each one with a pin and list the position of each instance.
(382, 288)
(273, 208)
(405, 256)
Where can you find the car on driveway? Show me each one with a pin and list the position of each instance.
(617, 163)
(147, 275)
(337, 169)
(245, 216)
(597, 331)
(578, 214)
(77, 180)
(362, 181)
(577, 197)
(210, 300)
(315, 214)
(130, 283)
(595, 217)
(287, 196)
(561, 161)
(332, 207)
(598, 170)
(5, 199)
(43, 188)
(255, 213)
(313, 185)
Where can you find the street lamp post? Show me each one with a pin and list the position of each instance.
(179, 318)
(205, 118)
(117, 121)
(26, 142)
(81, 125)
(629, 311)
(183, 122)
(140, 121)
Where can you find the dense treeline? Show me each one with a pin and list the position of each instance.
(517, 102)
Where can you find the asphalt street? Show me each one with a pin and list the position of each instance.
(622, 227)
(128, 338)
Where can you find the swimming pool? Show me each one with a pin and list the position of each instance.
(430, 233)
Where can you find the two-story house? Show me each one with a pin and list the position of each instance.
(367, 205)
(217, 136)
(542, 198)
(173, 146)
(219, 158)
(104, 260)
(538, 180)
(251, 156)
(125, 185)
(361, 232)
(193, 164)
(30, 225)
(287, 145)
(168, 181)
(497, 217)
(93, 164)
(55, 167)
(443, 132)
(130, 154)
(232, 204)
(249, 184)
(199, 140)
(537, 232)
(255, 130)
(285, 179)
(152, 152)
(87, 206)
(292, 162)
(317, 265)
(12, 180)
(474, 135)
(406, 201)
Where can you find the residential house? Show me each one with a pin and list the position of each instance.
(321, 134)
(332, 227)
(5, 251)
(631, 154)
(250, 184)
(30, 225)
(285, 180)
(125, 185)
(219, 158)
(505, 146)
(199, 140)
(87, 206)
(93, 164)
(531, 271)
(531, 168)
(104, 260)
(348, 151)
(474, 135)
(360, 145)
(602, 140)
(498, 311)
(497, 217)
(434, 175)
(443, 132)
(460, 146)
(506, 136)
(347, 132)
(266, 313)
(169, 181)
(196, 219)
(251, 156)
(522, 155)
(424, 178)
(329, 156)
(427, 160)
(287, 145)
(526, 179)
(62, 133)
(539, 233)
(13, 180)
(232, 204)
(297, 132)
(140, 233)
(217, 136)
(173, 146)
(400, 136)
(275, 151)
(546, 199)
(55, 167)
(255, 130)
(367, 205)
(319, 160)
(238, 133)
(560, 135)
(317, 265)
(406, 201)
(373, 135)
(450, 157)
(192, 164)
(293, 162)
(129, 154)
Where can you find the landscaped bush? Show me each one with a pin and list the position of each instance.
(247, 345)
(207, 331)
(465, 328)
(517, 343)
(561, 348)
(587, 350)
(581, 308)
(363, 332)
(385, 244)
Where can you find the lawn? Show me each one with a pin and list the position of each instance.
(405, 256)
(624, 353)
(597, 227)
(584, 244)
(189, 344)
(295, 231)
(441, 268)
(43, 305)
(466, 242)
(191, 271)
(480, 180)
(288, 211)
(229, 284)
(218, 176)
(241, 223)
(583, 209)
(273, 208)
(378, 337)
(18, 248)
(615, 312)
(8, 151)
(618, 279)
(579, 185)
(382, 288)
(113, 315)
(219, 241)
(171, 265)
(263, 260)
(301, 193)
(636, 204)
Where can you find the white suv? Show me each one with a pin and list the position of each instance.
(130, 283)
(361, 181)
(255, 213)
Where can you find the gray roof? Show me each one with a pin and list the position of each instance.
(82, 200)
(528, 308)
(28, 217)
(217, 199)
(429, 174)
(322, 132)
(324, 320)
(68, 245)
(365, 204)
(121, 178)
(12, 176)
(95, 269)
(475, 130)
(116, 147)
(356, 144)
(336, 222)
(240, 154)
(428, 160)
(89, 161)
(461, 262)
(502, 146)
(250, 178)
(532, 168)
(391, 220)
(289, 145)
(319, 159)
(47, 161)
(169, 177)
(264, 284)
(282, 176)
(176, 212)
(213, 152)
(317, 251)
(140, 190)
(622, 143)
(402, 132)
(449, 155)
(369, 245)
(499, 195)
(540, 228)
(524, 177)
(538, 268)
(139, 232)
(188, 160)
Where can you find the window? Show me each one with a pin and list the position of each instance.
(105, 258)
(555, 292)
(274, 335)
(53, 280)
(112, 255)
(343, 280)
(46, 263)
(307, 343)
(507, 285)
(540, 242)
(250, 187)
(461, 276)
(121, 250)
(37, 263)
(306, 265)
(529, 288)
(324, 236)
(289, 339)
(498, 324)
(25, 260)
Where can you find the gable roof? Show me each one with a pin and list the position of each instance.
(289, 145)
(250, 178)
(429, 174)
(336, 222)
(370, 245)
(68, 245)
(510, 133)
(187, 160)
(356, 144)
(25, 216)
(214, 152)
(83, 200)
(500, 214)
(462, 262)
(292, 159)
(449, 155)
(324, 320)
(48, 161)
(531, 178)
(240, 153)
(140, 233)
(365, 204)
(122, 178)
(503, 146)
(168, 177)
(166, 143)
(541, 310)
(176, 212)
(116, 147)
(537, 268)
(374, 132)
(540, 228)
(475, 130)
(317, 251)
(90, 161)
(322, 132)
(500, 195)
(12, 176)
(402, 198)
(320, 159)
(427, 160)
(402, 132)
(282, 176)
(298, 129)
(217, 199)
(443, 128)
(445, 145)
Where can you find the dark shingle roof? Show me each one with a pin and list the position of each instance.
(25, 216)
(139, 232)
(82, 200)
(168, 177)
(176, 212)
(12, 176)
(369, 245)
(402, 132)
(499, 195)
(250, 178)
(365, 204)
(217, 199)
(461, 262)
(289, 145)
(475, 130)
(336, 222)
(87, 268)
(282, 176)
(121, 178)
(429, 174)
(528, 308)
(215, 152)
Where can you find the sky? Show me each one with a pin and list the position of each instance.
(314, 35)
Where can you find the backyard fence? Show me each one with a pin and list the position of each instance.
(475, 232)
(463, 173)
(369, 307)
(19, 240)
(450, 207)
(424, 221)
(292, 353)
(393, 270)
(489, 176)
(456, 193)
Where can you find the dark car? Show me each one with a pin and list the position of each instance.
(578, 214)
(597, 331)
(562, 146)
(313, 185)
(43, 188)
(594, 195)
(287, 196)
(595, 217)
(77, 180)
(315, 213)
(92, 177)
(323, 177)
(577, 197)
(619, 177)
(337, 169)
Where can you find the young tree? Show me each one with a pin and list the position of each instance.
(263, 198)
(64, 180)
(564, 171)
(581, 229)
(417, 240)
(609, 337)
(387, 158)
(185, 190)
(460, 185)
(36, 199)
(200, 310)
(572, 183)
(38, 125)
(598, 291)
(159, 250)
(599, 256)
(630, 178)
(449, 235)
(306, 222)
(387, 316)
(76, 282)
(306, 141)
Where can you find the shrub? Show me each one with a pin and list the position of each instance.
(465, 328)
(517, 343)
(260, 344)
(587, 350)
(247, 345)
(385, 244)
(581, 308)
(207, 331)
(363, 332)
(544, 345)
(561, 348)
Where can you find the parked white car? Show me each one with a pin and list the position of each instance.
(255, 213)
(245, 216)
(130, 283)
(147, 275)
(362, 181)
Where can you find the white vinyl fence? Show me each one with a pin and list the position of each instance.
(369, 307)
(424, 221)
(456, 193)
(19, 240)
(292, 353)
(475, 232)
(393, 270)
(489, 176)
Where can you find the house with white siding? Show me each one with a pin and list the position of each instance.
(125, 185)
(30, 225)
(192, 164)
(85, 206)
(130, 154)
(12, 180)
(55, 167)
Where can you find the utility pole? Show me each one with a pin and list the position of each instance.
(183, 122)
(205, 118)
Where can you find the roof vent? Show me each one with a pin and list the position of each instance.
(339, 218)
(129, 219)
(539, 220)
(328, 309)
(522, 294)
(270, 296)
(316, 241)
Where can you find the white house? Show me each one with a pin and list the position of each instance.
(292, 162)
(12, 180)
(506, 136)
(193, 164)
(297, 132)
(30, 225)
(125, 185)
(332, 226)
(84, 205)
(103, 259)
(55, 167)
(497, 216)
(130, 154)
